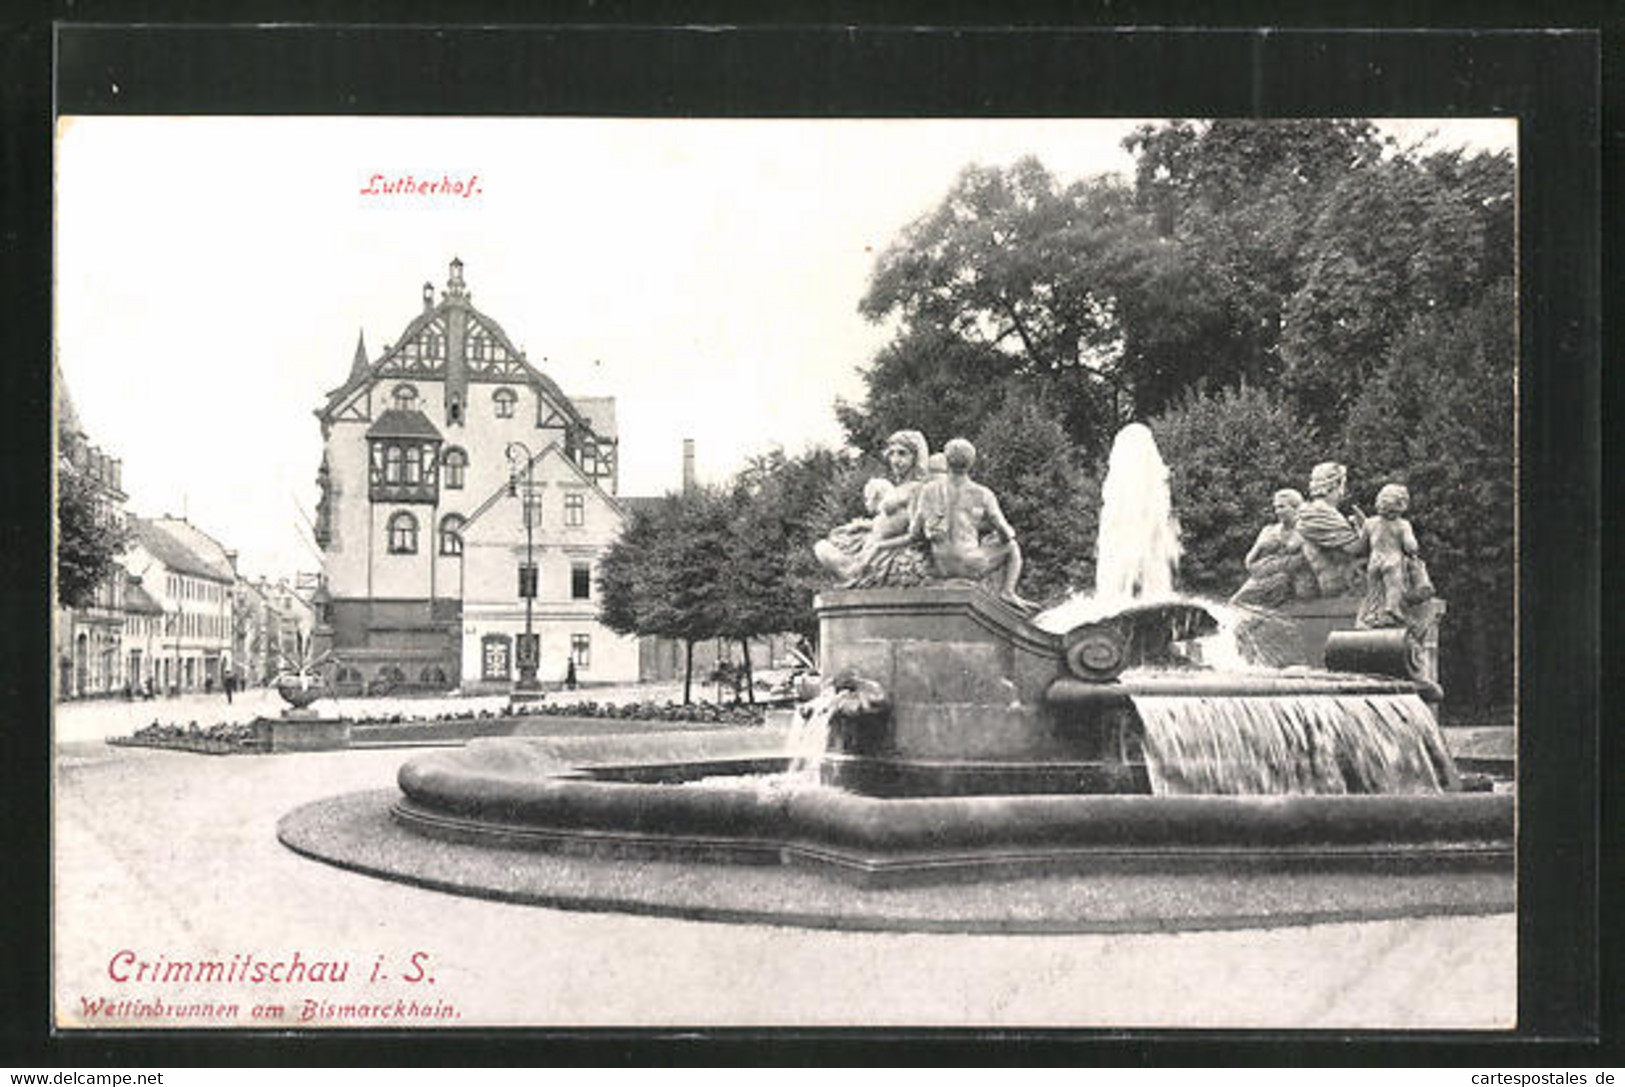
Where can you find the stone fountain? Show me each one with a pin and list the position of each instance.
(962, 733)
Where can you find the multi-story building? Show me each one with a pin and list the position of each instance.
(143, 637)
(191, 577)
(89, 636)
(272, 620)
(455, 477)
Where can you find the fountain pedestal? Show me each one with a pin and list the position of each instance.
(965, 675)
(1316, 620)
(303, 730)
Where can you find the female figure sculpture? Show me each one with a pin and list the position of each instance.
(1276, 568)
(867, 565)
(1331, 541)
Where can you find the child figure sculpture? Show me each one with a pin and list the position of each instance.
(845, 552)
(1393, 547)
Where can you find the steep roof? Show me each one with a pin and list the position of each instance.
(183, 548)
(67, 419)
(137, 599)
(600, 414)
(457, 298)
(403, 423)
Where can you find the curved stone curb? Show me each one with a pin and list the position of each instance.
(355, 832)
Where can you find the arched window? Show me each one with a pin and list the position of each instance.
(505, 399)
(451, 534)
(405, 397)
(413, 468)
(456, 462)
(392, 464)
(403, 533)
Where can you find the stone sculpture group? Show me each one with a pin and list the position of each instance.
(1314, 550)
(930, 522)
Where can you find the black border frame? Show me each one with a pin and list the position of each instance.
(809, 63)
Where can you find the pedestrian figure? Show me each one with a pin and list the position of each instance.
(570, 675)
(228, 681)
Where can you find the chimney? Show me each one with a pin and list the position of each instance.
(231, 557)
(428, 296)
(688, 465)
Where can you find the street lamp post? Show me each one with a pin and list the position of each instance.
(519, 454)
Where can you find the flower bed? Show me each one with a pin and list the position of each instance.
(221, 739)
(450, 726)
(695, 713)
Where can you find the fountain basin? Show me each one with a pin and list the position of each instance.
(959, 746)
(592, 803)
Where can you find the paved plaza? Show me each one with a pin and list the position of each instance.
(171, 858)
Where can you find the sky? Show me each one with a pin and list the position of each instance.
(212, 275)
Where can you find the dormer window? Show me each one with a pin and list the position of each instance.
(405, 397)
(505, 398)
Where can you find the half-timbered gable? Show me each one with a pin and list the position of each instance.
(418, 521)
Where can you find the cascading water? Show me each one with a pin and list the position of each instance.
(809, 736)
(1293, 744)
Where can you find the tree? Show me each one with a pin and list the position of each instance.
(781, 508)
(1025, 456)
(1237, 199)
(88, 542)
(1009, 277)
(1401, 239)
(1227, 452)
(929, 380)
(663, 576)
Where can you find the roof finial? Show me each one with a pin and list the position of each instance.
(455, 287)
(359, 366)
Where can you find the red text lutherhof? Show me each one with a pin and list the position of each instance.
(410, 185)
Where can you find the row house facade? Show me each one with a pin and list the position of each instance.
(460, 484)
(89, 637)
(161, 621)
(191, 579)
